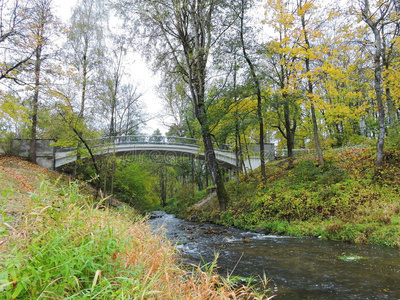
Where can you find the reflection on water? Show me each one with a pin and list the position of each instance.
(299, 268)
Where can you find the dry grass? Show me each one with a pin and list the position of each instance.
(159, 260)
(115, 252)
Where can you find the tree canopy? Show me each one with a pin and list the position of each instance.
(300, 74)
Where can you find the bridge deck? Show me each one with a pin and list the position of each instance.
(171, 146)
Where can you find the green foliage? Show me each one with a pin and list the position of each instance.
(134, 185)
(7, 145)
(184, 198)
(313, 191)
(70, 249)
(3, 216)
(343, 200)
(306, 171)
(11, 109)
(64, 253)
(393, 139)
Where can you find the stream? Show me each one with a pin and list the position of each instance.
(298, 268)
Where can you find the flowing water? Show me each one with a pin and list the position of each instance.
(298, 268)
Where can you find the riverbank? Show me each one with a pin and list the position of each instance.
(58, 242)
(345, 200)
(297, 268)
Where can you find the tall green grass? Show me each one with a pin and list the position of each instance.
(69, 247)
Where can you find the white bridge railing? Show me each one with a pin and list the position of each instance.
(146, 139)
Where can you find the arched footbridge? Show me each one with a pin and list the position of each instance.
(54, 157)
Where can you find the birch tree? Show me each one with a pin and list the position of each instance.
(85, 39)
(378, 15)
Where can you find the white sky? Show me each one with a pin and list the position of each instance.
(139, 72)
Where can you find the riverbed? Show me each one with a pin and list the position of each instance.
(298, 268)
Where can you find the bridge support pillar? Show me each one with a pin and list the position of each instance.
(45, 154)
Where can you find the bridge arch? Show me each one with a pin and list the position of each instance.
(161, 145)
(54, 157)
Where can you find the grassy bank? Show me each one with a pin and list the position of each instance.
(56, 242)
(345, 200)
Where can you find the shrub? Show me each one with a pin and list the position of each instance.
(186, 197)
(392, 142)
(305, 171)
(8, 145)
(331, 174)
(134, 186)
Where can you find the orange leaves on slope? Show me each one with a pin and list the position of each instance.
(20, 179)
(8, 165)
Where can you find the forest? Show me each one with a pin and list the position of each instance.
(317, 79)
(304, 75)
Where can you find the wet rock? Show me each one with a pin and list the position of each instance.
(246, 240)
(215, 231)
(260, 230)
(153, 216)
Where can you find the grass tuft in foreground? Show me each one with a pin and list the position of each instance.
(68, 247)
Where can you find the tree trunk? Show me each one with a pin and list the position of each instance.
(310, 93)
(163, 188)
(114, 92)
(290, 132)
(82, 109)
(316, 136)
(35, 104)
(241, 159)
(192, 163)
(84, 78)
(389, 100)
(215, 172)
(237, 150)
(261, 139)
(112, 121)
(114, 167)
(390, 106)
(374, 24)
(258, 92)
(379, 100)
(385, 54)
(193, 31)
(237, 132)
